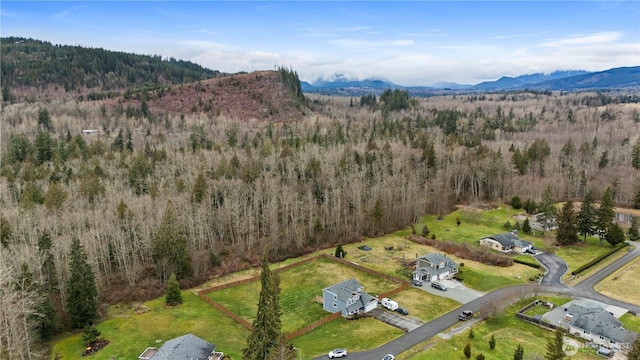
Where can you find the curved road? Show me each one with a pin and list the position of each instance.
(485, 303)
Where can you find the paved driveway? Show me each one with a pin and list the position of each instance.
(556, 268)
(455, 290)
(406, 323)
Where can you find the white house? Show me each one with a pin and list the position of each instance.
(434, 267)
(590, 321)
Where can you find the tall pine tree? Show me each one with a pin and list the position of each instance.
(170, 252)
(81, 301)
(567, 225)
(554, 347)
(266, 328)
(605, 214)
(587, 215)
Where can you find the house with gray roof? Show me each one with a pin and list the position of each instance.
(186, 347)
(506, 243)
(590, 321)
(434, 267)
(348, 297)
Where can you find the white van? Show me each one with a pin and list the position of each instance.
(389, 304)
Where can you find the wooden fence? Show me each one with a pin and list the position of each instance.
(203, 293)
(538, 321)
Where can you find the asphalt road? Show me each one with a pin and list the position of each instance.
(485, 305)
(555, 266)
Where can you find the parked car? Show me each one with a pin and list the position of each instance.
(337, 353)
(437, 285)
(530, 251)
(402, 311)
(465, 315)
(415, 282)
(388, 357)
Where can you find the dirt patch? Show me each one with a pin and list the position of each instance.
(95, 346)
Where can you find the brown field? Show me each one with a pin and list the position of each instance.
(624, 284)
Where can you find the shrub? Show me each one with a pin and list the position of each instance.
(90, 334)
(507, 225)
(480, 357)
(467, 351)
(433, 236)
(425, 230)
(492, 342)
(516, 202)
(598, 259)
(472, 335)
(340, 252)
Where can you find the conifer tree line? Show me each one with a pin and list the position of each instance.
(196, 194)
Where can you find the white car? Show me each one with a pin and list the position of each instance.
(388, 357)
(337, 353)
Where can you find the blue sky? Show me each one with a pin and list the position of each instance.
(408, 43)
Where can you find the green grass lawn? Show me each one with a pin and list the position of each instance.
(581, 253)
(355, 335)
(508, 332)
(298, 288)
(130, 334)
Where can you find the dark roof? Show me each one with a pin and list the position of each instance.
(595, 319)
(186, 347)
(345, 289)
(509, 239)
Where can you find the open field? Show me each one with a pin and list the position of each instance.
(508, 332)
(130, 334)
(298, 288)
(624, 284)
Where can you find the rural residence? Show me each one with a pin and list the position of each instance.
(434, 267)
(184, 347)
(507, 243)
(347, 297)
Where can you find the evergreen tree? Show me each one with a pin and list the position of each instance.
(547, 209)
(199, 189)
(467, 351)
(615, 234)
(634, 233)
(526, 226)
(492, 342)
(567, 232)
(519, 353)
(605, 214)
(5, 231)
(516, 203)
(47, 266)
(634, 353)
(480, 357)
(44, 119)
(55, 196)
(174, 296)
(266, 328)
(170, 252)
(554, 347)
(284, 350)
(377, 213)
(340, 252)
(81, 301)
(44, 147)
(118, 142)
(587, 215)
(425, 230)
(635, 155)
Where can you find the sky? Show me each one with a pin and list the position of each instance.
(408, 43)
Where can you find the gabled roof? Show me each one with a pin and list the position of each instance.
(344, 290)
(362, 301)
(509, 240)
(593, 318)
(186, 347)
(436, 258)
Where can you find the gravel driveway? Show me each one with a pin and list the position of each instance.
(456, 290)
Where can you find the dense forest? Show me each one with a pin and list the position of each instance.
(77, 69)
(196, 194)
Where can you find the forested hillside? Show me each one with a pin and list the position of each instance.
(198, 193)
(29, 63)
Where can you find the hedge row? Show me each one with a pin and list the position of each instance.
(598, 259)
(527, 262)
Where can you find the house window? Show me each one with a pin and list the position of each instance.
(335, 297)
(611, 341)
(601, 337)
(586, 332)
(335, 305)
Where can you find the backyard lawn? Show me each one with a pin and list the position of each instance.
(298, 288)
(130, 334)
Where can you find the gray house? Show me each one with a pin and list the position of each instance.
(506, 243)
(186, 347)
(347, 297)
(434, 267)
(588, 320)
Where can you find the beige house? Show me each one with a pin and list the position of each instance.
(506, 243)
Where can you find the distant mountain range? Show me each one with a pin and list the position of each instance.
(612, 79)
